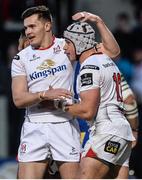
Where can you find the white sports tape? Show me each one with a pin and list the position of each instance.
(61, 103)
(131, 110)
(56, 103)
(126, 93)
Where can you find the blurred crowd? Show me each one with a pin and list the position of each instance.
(130, 63)
(128, 36)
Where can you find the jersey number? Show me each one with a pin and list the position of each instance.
(117, 80)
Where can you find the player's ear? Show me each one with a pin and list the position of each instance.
(48, 26)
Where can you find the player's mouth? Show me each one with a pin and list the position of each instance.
(31, 38)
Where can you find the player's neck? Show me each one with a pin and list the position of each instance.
(86, 54)
(47, 42)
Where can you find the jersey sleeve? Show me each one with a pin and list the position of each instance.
(17, 67)
(89, 77)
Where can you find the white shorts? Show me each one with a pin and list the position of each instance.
(109, 148)
(59, 141)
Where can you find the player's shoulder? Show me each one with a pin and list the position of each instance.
(100, 59)
(99, 56)
(88, 64)
(95, 61)
(23, 53)
(60, 41)
(25, 50)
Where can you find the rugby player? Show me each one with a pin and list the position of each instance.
(99, 87)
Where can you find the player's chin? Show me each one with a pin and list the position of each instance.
(35, 45)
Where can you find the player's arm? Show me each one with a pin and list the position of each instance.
(130, 105)
(109, 45)
(23, 98)
(88, 106)
(131, 113)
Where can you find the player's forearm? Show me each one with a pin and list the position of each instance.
(131, 110)
(110, 44)
(134, 126)
(134, 123)
(132, 116)
(25, 99)
(81, 111)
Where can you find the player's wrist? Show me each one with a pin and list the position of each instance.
(98, 20)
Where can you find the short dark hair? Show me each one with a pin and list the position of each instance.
(42, 11)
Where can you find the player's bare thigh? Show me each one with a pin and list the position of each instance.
(94, 169)
(123, 172)
(91, 168)
(68, 170)
(118, 172)
(31, 170)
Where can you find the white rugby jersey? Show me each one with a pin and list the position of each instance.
(99, 71)
(44, 67)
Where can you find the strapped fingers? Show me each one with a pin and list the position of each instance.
(84, 16)
(78, 16)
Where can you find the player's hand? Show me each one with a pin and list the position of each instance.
(23, 43)
(58, 93)
(86, 16)
(135, 134)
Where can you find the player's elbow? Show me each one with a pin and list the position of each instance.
(18, 103)
(115, 52)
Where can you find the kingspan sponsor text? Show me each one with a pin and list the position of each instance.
(47, 72)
